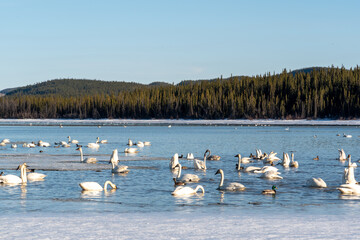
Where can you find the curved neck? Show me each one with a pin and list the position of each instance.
(199, 187)
(239, 162)
(109, 183)
(221, 179)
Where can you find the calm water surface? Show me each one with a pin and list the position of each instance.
(148, 185)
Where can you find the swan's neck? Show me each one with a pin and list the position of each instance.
(199, 187)
(97, 140)
(179, 172)
(23, 174)
(349, 161)
(239, 162)
(69, 139)
(221, 179)
(292, 157)
(109, 183)
(81, 155)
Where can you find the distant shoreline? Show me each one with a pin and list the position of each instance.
(175, 122)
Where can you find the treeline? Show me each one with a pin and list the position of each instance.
(321, 93)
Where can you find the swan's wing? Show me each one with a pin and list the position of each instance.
(234, 186)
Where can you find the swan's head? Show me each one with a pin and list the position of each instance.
(219, 171)
(238, 155)
(78, 149)
(1, 173)
(207, 151)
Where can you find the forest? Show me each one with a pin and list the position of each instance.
(321, 93)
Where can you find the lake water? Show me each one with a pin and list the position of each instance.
(147, 187)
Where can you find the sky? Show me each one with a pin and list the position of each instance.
(171, 41)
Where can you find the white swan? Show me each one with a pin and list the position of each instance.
(212, 157)
(286, 160)
(86, 160)
(72, 141)
(293, 163)
(104, 141)
(342, 155)
(13, 145)
(131, 150)
(271, 175)
(349, 189)
(43, 144)
(140, 144)
(190, 156)
(266, 169)
(316, 183)
(33, 176)
(350, 164)
(272, 157)
(260, 155)
(248, 169)
(174, 161)
(94, 145)
(114, 160)
(233, 186)
(201, 165)
(94, 186)
(347, 135)
(184, 191)
(187, 177)
(147, 143)
(243, 160)
(349, 176)
(130, 143)
(13, 179)
(6, 140)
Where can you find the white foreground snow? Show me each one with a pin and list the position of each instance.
(178, 226)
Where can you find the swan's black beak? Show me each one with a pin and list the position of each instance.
(217, 172)
(78, 149)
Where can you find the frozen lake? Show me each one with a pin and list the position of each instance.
(144, 194)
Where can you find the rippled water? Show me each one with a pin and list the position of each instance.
(148, 185)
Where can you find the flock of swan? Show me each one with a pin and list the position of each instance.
(269, 170)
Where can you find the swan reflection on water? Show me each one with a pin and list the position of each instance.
(98, 194)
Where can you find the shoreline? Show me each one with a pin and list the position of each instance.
(175, 122)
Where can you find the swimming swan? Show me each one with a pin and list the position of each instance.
(114, 160)
(174, 161)
(86, 160)
(187, 177)
(212, 157)
(316, 183)
(350, 164)
(349, 176)
(33, 176)
(293, 163)
(190, 156)
(342, 155)
(233, 186)
(13, 179)
(349, 189)
(201, 165)
(286, 160)
(131, 150)
(271, 175)
(184, 191)
(94, 145)
(72, 141)
(94, 186)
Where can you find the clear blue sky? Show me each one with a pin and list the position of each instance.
(171, 41)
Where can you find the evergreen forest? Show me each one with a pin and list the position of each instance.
(320, 93)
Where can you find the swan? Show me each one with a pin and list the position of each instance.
(266, 169)
(316, 183)
(140, 144)
(13, 145)
(190, 156)
(243, 160)
(342, 155)
(13, 179)
(33, 176)
(187, 177)
(293, 163)
(349, 162)
(212, 157)
(347, 135)
(233, 186)
(2, 144)
(43, 144)
(248, 169)
(201, 165)
(286, 160)
(86, 160)
(6, 140)
(351, 188)
(147, 143)
(349, 176)
(271, 175)
(271, 191)
(94, 145)
(131, 150)
(94, 186)
(272, 157)
(114, 160)
(174, 161)
(29, 145)
(130, 143)
(102, 141)
(260, 155)
(72, 141)
(183, 191)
